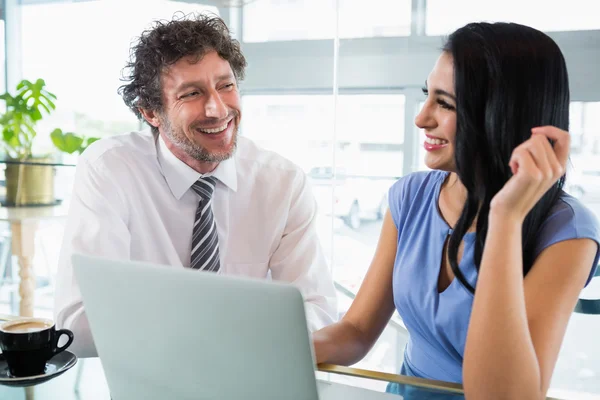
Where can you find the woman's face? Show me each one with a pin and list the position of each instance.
(438, 116)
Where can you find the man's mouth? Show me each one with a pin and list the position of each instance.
(215, 130)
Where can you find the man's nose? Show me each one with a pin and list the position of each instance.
(215, 108)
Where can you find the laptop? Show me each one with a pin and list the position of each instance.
(173, 333)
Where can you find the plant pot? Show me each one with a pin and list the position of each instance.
(30, 185)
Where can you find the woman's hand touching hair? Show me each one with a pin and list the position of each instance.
(536, 166)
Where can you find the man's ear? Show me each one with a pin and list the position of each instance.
(151, 117)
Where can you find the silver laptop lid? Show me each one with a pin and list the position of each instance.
(174, 333)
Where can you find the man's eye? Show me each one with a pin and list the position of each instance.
(191, 94)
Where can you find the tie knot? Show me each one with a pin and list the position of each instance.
(205, 187)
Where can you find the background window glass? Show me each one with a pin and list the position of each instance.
(273, 20)
(445, 16)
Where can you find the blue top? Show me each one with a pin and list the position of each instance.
(438, 322)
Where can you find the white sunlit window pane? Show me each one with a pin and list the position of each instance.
(445, 16)
(271, 20)
(276, 20)
(576, 127)
(583, 175)
(368, 158)
(299, 127)
(373, 18)
(591, 127)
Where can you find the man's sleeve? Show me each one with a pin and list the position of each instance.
(299, 258)
(96, 225)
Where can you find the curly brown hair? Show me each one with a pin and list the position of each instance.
(165, 43)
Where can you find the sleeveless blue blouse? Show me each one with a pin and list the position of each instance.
(437, 322)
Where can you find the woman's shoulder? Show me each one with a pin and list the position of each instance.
(570, 217)
(410, 185)
(413, 195)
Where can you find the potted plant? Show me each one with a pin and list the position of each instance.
(29, 178)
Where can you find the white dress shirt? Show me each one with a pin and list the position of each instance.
(132, 199)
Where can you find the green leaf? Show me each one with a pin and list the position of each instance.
(88, 142)
(7, 134)
(36, 97)
(7, 97)
(67, 142)
(23, 109)
(12, 139)
(91, 140)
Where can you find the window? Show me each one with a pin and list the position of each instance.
(299, 127)
(583, 175)
(368, 147)
(444, 16)
(272, 20)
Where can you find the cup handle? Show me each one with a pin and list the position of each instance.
(59, 333)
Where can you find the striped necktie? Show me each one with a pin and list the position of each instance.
(205, 243)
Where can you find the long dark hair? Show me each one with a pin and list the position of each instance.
(508, 78)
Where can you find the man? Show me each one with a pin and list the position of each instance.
(193, 193)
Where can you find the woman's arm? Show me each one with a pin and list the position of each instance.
(349, 340)
(517, 325)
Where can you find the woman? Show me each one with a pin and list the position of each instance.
(484, 257)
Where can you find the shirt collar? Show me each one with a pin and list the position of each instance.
(180, 177)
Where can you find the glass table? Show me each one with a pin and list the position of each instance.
(89, 383)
